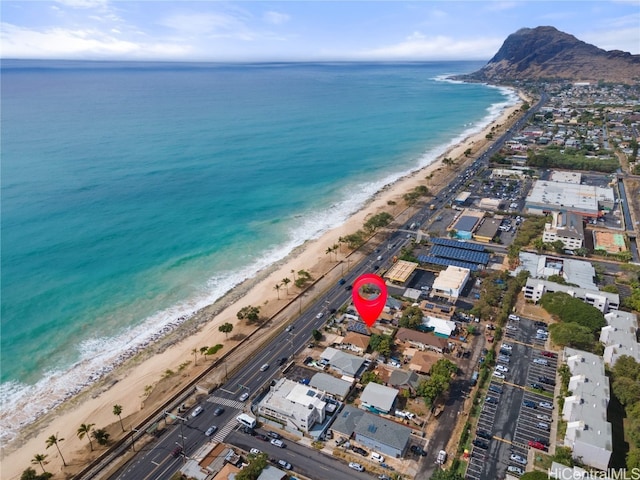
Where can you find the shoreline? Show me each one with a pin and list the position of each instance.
(127, 383)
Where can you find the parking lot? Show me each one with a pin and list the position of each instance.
(517, 413)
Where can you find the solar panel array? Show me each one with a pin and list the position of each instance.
(447, 261)
(471, 256)
(358, 327)
(447, 242)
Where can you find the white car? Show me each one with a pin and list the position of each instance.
(498, 374)
(512, 327)
(547, 405)
(514, 469)
(197, 411)
(377, 457)
(278, 443)
(211, 430)
(356, 466)
(518, 459)
(284, 464)
(540, 361)
(540, 331)
(545, 418)
(502, 368)
(506, 346)
(255, 451)
(244, 396)
(319, 315)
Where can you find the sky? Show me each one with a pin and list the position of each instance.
(209, 30)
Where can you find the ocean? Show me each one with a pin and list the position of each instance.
(134, 194)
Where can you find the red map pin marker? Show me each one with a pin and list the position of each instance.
(369, 309)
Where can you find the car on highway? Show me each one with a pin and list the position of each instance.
(282, 361)
(514, 469)
(356, 466)
(418, 450)
(264, 367)
(276, 442)
(255, 451)
(175, 453)
(218, 411)
(289, 328)
(529, 404)
(198, 410)
(537, 445)
(284, 464)
(502, 368)
(319, 315)
(541, 361)
(547, 405)
(244, 396)
(498, 374)
(211, 430)
(518, 459)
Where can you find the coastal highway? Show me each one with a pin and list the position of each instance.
(156, 461)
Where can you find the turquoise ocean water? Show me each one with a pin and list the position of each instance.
(135, 193)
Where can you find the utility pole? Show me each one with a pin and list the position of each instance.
(181, 420)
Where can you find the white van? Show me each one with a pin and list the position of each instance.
(442, 457)
(246, 420)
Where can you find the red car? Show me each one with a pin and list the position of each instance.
(537, 445)
(548, 354)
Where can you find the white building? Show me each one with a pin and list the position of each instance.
(378, 398)
(619, 337)
(299, 407)
(578, 272)
(450, 282)
(603, 301)
(584, 200)
(585, 411)
(567, 228)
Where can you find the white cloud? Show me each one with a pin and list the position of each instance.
(18, 42)
(625, 39)
(208, 24)
(421, 47)
(276, 18)
(84, 3)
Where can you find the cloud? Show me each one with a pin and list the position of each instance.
(83, 3)
(276, 18)
(18, 42)
(625, 39)
(418, 46)
(208, 24)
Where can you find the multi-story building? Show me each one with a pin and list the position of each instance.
(620, 337)
(568, 228)
(603, 301)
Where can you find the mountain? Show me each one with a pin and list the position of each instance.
(545, 53)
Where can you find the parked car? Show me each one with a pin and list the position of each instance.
(518, 459)
(547, 380)
(273, 435)
(284, 464)
(513, 328)
(504, 351)
(491, 400)
(502, 368)
(543, 426)
(541, 361)
(480, 443)
(504, 359)
(548, 354)
(495, 389)
(418, 450)
(541, 331)
(356, 466)
(537, 445)
(442, 457)
(506, 346)
(516, 470)
(360, 451)
(544, 418)
(211, 430)
(218, 411)
(536, 386)
(498, 374)
(513, 317)
(264, 438)
(547, 405)
(198, 410)
(529, 404)
(377, 457)
(255, 451)
(543, 441)
(277, 443)
(484, 434)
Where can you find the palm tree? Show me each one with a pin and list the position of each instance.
(117, 410)
(38, 458)
(101, 436)
(286, 281)
(335, 249)
(278, 287)
(195, 356)
(85, 429)
(293, 272)
(203, 351)
(54, 440)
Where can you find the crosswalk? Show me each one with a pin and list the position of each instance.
(222, 433)
(227, 402)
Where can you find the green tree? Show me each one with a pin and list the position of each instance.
(626, 389)
(117, 411)
(446, 475)
(633, 459)
(368, 377)
(55, 440)
(316, 334)
(204, 350)
(254, 469)
(286, 281)
(226, 328)
(85, 429)
(538, 475)
(626, 366)
(444, 367)
(101, 436)
(39, 459)
(572, 335)
(29, 474)
(249, 313)
(380, 220)
(411, 317)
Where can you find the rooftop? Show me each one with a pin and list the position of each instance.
(383, 431)
(379, 396)
(330, 384)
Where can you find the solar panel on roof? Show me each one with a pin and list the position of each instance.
(457, 244)
(447, 261)
(460, 254)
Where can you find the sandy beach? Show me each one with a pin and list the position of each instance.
(132, 385)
